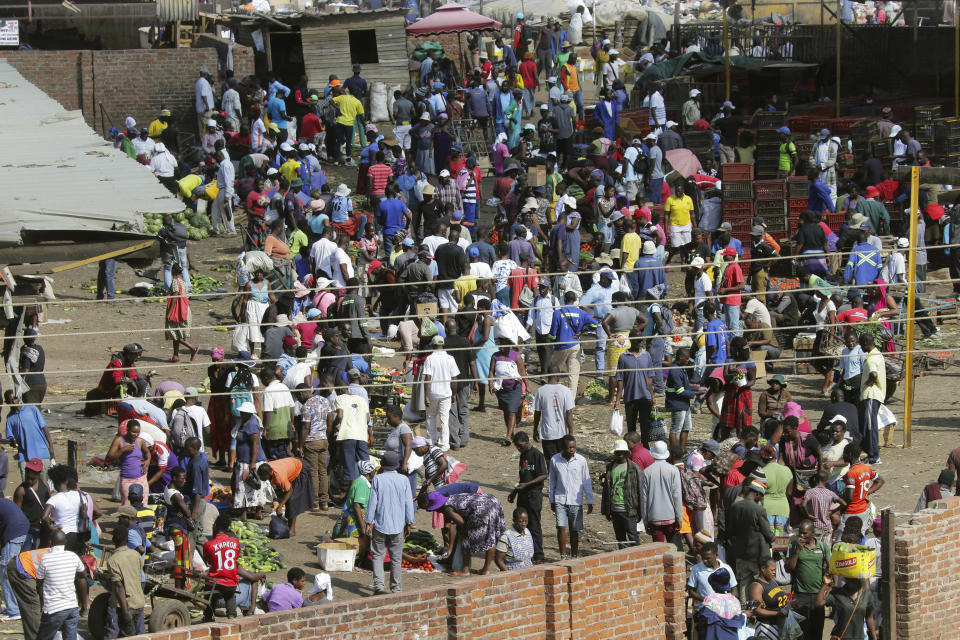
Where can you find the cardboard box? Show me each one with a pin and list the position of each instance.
(426, 309)
(336, 556)
(759, 357)
(537, 176)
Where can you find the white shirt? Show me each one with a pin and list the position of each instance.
(755, 307)
(702, 287)
(200, 417)
(58, 570)
(442, 368)
(203, 94)
(336, 259)
(895, 269)
(480, 269)
(277, 395)
(658, 110)
(464, 242)
(296, 374)
(611, 71)
(66, 506)
(144, 147)
(258, 134)
(700, 573)
(629, 157)
(231, 104)
(433, 242)
(320, 252)
(541, 312)
(163, 164)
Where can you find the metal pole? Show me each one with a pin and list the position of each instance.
(888, 586)
(726, 55)
(956, 61)
(911, 302)
(839, 26)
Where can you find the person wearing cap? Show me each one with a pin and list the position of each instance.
(906, 149)
(655, 164)
(31, 496)
(565, 118)
(661, 501)
(161, 122)
(648, 274)
(728, 126)
(389, 515)
(690, 112)
(570, 81)
(210, 136)
(422, 136)
(439, 371)
(748, 532)
(823, 157)
(874, 210)
(620, 499)
(729, 290)
(787, 154)
(670, 139)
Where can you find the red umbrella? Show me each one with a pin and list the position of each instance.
(452, 18)
(683, 162)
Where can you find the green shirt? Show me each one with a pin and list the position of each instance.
(618, 481)
(125, 566)
(775, 499)
(359, 492)
(876, 213)
(808, 576)
(787, 151)
(279, 426)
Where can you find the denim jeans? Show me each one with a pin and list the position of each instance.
(578, 100)
(181, 258)
(106, 272)
(353, 452)
(699, 321)
(731, 318)
(655, 190)
(112, 627)
(601, 348)
(65, 621)
(9, 551)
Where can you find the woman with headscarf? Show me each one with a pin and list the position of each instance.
(442, 143)
(740, 374)
(476, 522)
(774, 398)
(219, 407)
(515, 547)
(352, 521)
(164, 166)
(248, 492)
(177, 318)
(829, 340)
(513, 119)
(508, 371)
(500, 153)
(256, 205)
(720, 616)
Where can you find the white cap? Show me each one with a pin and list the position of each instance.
(605, 42)
(650, 136)
(694, 93)
(303, 147)
(670, 123)
(211, 123)
(727, 105)
(272, 171)
(838, 418)
(246, 407)
(545, 106)
(614, 52)
(697, 262)
(895, 130)
(648, 248)
(444, 173)
(286, 147)
(903, 243)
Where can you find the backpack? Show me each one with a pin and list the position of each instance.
(182, 428)
(525, 299)
(241, 388)
(328, 111)
(83, 519)
(641, 164)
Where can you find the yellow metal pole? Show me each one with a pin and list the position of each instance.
(911, 305)
(839, 26)
(956, 61)
(726, 55)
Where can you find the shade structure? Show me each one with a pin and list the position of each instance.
(451, 18)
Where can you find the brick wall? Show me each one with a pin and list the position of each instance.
(134, 82)
(634, 593)
(450, 48)
(927, 565)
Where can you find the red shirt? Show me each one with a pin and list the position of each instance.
(378, 174)
(732, 276)
(114, 374)
(859, 478)
(528, 71)
(641, 456)
(222, 554)
(857, 314)
(518, 278)
(310, 127)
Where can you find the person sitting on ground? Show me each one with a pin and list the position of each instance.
(286, 595)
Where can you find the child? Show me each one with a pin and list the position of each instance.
(680, 391)
(369, 248)
(823, 506)
(287, 595)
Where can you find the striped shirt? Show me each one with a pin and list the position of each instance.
(379, 174)
(58, 570)
(468, 191)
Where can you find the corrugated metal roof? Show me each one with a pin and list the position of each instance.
(177, 10)
(57, 173)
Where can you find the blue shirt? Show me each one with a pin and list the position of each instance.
(25, 427)
(818, 198)
(571, 249)
(407, 182)
(864, 264)
(736, 244)
(340, 207)
(275, 109)
(647, 274)
(391, 503)
(318, 222)
(390, 213)
(198, 478)
(487, 253)
(634, 371)
(597, 300)
(360, 364)
(679, 391)
(276, 87)
(568, 322)
(851, 365)
(13, 524)
(369, 153)
(716, 336)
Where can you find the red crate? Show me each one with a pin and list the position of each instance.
(799, 124)
(736, 171)
(835, 221)
(769, 189)
(841, 126)
(737, 209)
(816, 124)
(768, 206)
(741, 228)
(798, 205)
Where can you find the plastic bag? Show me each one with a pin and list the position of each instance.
(378, 103)
(279, 528)
(616, 423)
(885, 417)
(509, 326)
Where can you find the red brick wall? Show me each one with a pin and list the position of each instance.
(134, 82)
(450, 49)
(635, 593)
(927, 564)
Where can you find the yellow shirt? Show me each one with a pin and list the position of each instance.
(290, 169)
(464, 285)
(296, 240)
(873, 363)
(630, 251)
(349, 107)
(188, 183)
(679, 210)
(396, 253)
(156, 128)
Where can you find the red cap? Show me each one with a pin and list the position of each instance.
(872, 192)
(34, 464)
(376, 264)
(934, 211)
(729, 251)
(289, 341)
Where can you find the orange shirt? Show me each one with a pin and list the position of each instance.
(859, 478)
(285, 471)
(276, 248)
(28, 561)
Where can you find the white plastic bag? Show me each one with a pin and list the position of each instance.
(378, 103)
(616, 423)
(885, 417)
(509, 326)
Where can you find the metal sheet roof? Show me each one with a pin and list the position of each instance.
(56, 173)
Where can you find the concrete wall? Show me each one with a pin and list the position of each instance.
(635, 593)
(134, 82)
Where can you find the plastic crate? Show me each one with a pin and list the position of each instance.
(737, 209)
(736, 171)
(799, 124)
(767, 207)
(926, 114)
(835, 220)
(798, 188)
(951, 160)
(776, 223)
(842, 126)
(741, 227)
(946, 146)
(864, 130)
(770, 189)
(924, 130)
(881, 147)
(771, 119)
(796, 205)
(817, 123)
(768, 136)
(895, 210)
(737, 190)
(698, 141)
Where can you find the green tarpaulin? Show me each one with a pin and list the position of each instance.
(675, 66)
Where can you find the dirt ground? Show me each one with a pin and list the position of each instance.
(77, 356)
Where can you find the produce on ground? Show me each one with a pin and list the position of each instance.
(197, 224)
(255, 552)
